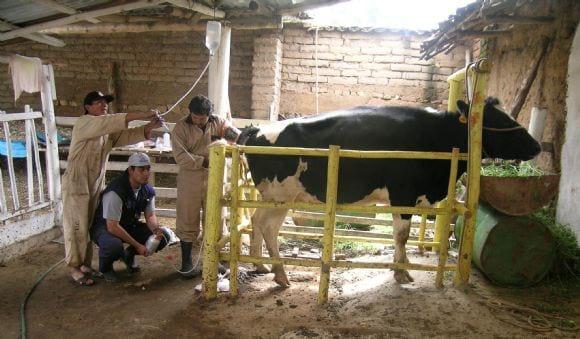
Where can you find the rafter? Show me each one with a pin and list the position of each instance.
(197, 7)
(79, 17)
(42, 38)
(63, 9)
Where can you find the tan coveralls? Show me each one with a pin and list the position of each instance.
(192, 177)
(93, 137)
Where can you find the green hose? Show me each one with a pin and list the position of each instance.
(23, 305)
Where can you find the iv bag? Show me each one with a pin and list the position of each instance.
(212, 36)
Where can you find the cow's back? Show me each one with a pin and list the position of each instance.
(365, 128)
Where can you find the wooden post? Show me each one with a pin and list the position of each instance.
(52, 160)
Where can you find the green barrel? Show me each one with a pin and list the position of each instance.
(510, 251)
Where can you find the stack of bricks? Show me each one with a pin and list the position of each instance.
(383, 66)
(266, 76)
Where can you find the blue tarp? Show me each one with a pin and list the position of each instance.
(18, 148)
(59, 139)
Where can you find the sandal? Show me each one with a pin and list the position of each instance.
(83, 281)
(92, 273)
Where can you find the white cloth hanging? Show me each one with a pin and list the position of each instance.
(26, 74)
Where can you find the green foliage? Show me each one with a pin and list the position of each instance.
(565, 273)
(511, 169)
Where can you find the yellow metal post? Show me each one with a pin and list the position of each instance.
(481, 68)
(449, 204)
(455, 81)
(440, 221)
(422, 228)
(212, 212)
(236, 217)
(329, 222)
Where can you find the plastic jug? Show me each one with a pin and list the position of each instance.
(213, 34)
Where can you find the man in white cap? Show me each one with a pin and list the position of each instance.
(117, 218)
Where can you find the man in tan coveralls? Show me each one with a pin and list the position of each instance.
(190, 140)
(94, 135)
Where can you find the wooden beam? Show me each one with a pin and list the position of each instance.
(42, 38)
(523, 91)
(470, 33)
(160, 26)
(78, 17)
(197, 7)
(518, 19)
(63, 9)
(301, 7)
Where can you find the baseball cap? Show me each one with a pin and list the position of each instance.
(139, 160)
(96, 95)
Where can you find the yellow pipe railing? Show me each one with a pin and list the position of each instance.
(215, 201)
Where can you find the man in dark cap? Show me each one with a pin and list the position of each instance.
(94, 135)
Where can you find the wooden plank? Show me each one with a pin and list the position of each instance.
(38, 37)
(122, 165)
(166, 192)
(197, 7)
(20, 116)
(29, 172)
(10, 160)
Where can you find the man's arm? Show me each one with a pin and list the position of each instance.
(151, 219)
(115, 229)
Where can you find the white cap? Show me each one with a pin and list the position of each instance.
(138, 160)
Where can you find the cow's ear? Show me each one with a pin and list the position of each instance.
(462, 107)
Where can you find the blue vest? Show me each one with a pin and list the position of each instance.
(132, 206)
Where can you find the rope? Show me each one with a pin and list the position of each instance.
(189, 91)
(525, 317)
(23, 304)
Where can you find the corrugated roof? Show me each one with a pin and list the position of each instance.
(22, 11)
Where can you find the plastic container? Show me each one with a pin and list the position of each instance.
(213, 35)
(509, 250)
(166, 140)
(152, 244)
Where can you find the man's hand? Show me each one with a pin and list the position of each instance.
(155, 122)
(158, 233)
(141, 250)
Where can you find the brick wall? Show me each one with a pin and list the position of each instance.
(154, 70)
(271, 72)
(360, 68)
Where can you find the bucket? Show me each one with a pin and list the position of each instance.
(510, 251)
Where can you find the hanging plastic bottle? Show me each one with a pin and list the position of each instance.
(213, 35)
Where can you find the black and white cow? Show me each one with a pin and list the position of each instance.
(398, 182)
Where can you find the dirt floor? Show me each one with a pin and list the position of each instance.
(363, 303)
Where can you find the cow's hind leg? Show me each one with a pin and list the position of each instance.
(266, 223)
(401, 228)
(270, 232)
(257, 237)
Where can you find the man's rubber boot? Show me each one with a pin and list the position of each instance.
(187, 270)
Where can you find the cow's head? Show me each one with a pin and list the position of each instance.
(503, 137)
(246, 133)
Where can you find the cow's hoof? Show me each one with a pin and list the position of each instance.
(262, 269)
(403, 277)
(282, 280)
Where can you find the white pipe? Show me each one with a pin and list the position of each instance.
(538, 123)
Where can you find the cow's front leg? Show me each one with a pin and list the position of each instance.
(401, 228)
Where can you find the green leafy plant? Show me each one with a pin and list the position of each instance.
(511, 169)
(564, 277)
